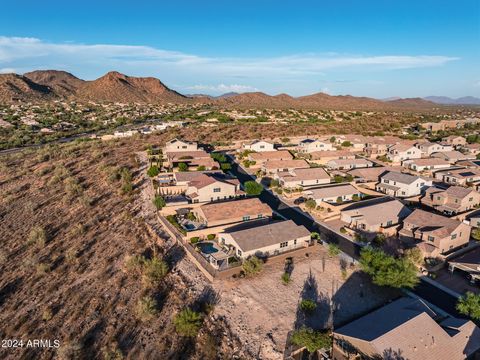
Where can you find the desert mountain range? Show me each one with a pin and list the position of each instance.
(48, 85)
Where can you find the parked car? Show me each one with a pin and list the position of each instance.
(299, 201)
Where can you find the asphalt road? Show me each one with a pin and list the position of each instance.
(427, 291)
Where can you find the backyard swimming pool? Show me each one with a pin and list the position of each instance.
(207, 247)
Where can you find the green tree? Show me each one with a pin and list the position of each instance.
(253, 188)
(347, 144)
(252, 266)
(153, 171)
(469, 305)
(159, 202)
(188, 322)
(387, 270)
(225, 166)
(310, 339)
(476, 233)
(182, 166)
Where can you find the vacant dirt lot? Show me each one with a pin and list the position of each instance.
(262, 310)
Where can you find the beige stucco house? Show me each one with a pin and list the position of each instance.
(176, 145)
(311, 145)
(302, 177)
(398, 184)
(454, 200)
(266, 240)
(259, 146)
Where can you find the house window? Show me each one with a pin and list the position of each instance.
(259, 216)
(431, 238)
(454, 236)
(295, 242)
(284, 244)
(246, 218)
(239, 252)
(217, 189)
(184, 146)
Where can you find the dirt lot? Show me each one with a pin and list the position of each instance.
(262, 310)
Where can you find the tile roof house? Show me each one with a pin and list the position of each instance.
(459, 176)
(193, 159)
(311, 145)
(406, 329)
(427, 148)
(275, 166)
(259, 146)
(207, 187)
(372, 174)
(261, 157)
(399, 152)
(302, 177)
(375, 216)
(348, 164)
(472, 149)
(455, 140)
(180, 145)
(322, 157)
(232, 212)
(433, 234)
(398, 184)
(426, 164)
(453, 156)
(267, 240)
(454, 200)
(468, 262)
(333, 194)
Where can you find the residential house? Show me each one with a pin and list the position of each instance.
(322, 157)
(266, 240)
(232, 212)
(302, 177)
(453, 156)
(375, 216)
(472, 149)
(400, 152)
(468, 263)
(454, 200)
(455, 140)
(398, 184)
(357, 142)
(348, 164)
(434, 234)
(259, 146)
(462, 176)
(193, 159)
(427, 148)
(275, 166)
(426, 164)
(371, 174)
(311, 145)
(333, 194)
(207, 187)
(261, 157)
(406, 328)
(176, 145)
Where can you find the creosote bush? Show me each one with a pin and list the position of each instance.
(188, 322)
(252, 266)
(146, 308)
(37, 236)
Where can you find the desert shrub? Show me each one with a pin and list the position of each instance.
(43, 268)
(343, 230)
(308, 305)
(476, 233)
(201, 168)
(154, 270)
(210, 237)
(37, 236)
(194, 240)
(146, 308)
(188, 322)
(112, 352)
(47, 314)
(252, 266)
(286, 278)
(310, 204)
(333, 249)
(310, 339)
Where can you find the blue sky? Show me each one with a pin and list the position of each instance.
(363, 48)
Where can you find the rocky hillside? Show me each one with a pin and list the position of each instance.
(62, 83)
(15, 88)
(118, 87)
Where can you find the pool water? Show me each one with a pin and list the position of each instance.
(207, 248)
(188, 226)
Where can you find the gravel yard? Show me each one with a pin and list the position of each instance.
(262, 310)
